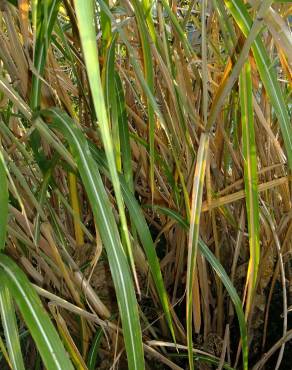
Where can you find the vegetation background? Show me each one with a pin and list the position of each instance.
(145, 184)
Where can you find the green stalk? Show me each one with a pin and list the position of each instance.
(198, 186)
(45, 15)
(145, 237)
(108, 75)
(36, 319)
(10, 329)
(124, 133)
(219, 269)
(149, 76)
(104, 219)
(84, 12)
(250, 178)
(267, 73)
(4, 196)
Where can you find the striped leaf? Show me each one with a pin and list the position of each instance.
(10, 329)
(198, 186)
(84, 12)
(95, 345)
(250, 178)
(3, 202)
(143, 231)
(45, 14)
(124, 133)
(219, 269)
(108, 230)
(36, 319)
(149, 77)
(267, 73)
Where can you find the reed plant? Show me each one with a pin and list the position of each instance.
(145, 184)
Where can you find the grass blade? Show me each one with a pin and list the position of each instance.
(124, 133)
(109, 234)
(141, 226)
(147, 8)
(194, 236)
(85, 11)
(149, 248)
(4, 353)
(225, 24)
(67, 340)
(227, 81)
(148, 70)
(218, 268)
(146, 91)
(46, 14)
(10, 328)
(111, 98)
(106, 27)
(42, 330)
(250, 178)
(3, 202)
(267, 73)
(92, 355)
(220, 271)
(182, 36)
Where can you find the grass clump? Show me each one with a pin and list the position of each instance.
(145, 175)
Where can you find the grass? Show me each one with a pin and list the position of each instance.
(145, 176)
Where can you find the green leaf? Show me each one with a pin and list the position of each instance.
(149, 76)
(198, 186)
(10, 329)
(4, 353)
(267, 73)
(104, 218)
(147, 5)
(36, 319)
(219, 269)
(95, 345)
(151, 99)
(250, 178)
(142, 228)
(106, 27)
(84, 12)
(226, 25)
(182, 35)
(149, 248)
(46, 14)
(111, 98)
(124, 133)
(3, 202)
(204, 358)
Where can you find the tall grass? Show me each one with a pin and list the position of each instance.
(145, 175)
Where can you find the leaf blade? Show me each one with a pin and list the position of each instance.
(85, 11)
(250, 178)
(109, 234)
(36, 319)
(198, 185)
(3, 202)
(220, 271)
(267, 73)
(10, 328)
